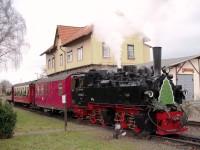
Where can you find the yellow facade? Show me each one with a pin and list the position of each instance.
(87, 51)
(93, 54)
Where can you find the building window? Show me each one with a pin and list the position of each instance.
(53, 62)
(69, 56)
(105, 50)
(61, 59)
(130, 50)
(49, 63)
(80, 53)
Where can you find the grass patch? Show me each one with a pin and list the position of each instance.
(62, 141)
(29, 121)
(32, 133)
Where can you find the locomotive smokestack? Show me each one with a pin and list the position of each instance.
(157, 60)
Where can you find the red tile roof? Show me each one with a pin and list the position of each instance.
(68, 34)
(82, 32)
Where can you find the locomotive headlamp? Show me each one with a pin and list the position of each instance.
(165, 69)
(149, 93)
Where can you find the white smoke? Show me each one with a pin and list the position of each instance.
(166, 22)
(115, 23)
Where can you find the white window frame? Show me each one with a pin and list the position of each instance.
(69, 56)
(80, 53)
(49, 63)
(105, 50)
(61, 59)
(53, 62)
(129, 51)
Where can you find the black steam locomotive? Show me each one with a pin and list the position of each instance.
(143, 99)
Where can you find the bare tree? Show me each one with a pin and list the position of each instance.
(12, 29)
(5, 84)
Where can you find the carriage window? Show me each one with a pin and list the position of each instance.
(76, 83)
(46, 89)
(38, 90)
(60, 88)
(27, 91)
(79, 83)
(24, 91)
(73, 84)
(42, 90)
(20, 92)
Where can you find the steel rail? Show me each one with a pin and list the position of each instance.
(193, 123)
(185, 139)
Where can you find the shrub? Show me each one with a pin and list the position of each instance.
(7, 120)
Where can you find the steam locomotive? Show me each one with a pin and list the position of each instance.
(143, 100)
(132, 97)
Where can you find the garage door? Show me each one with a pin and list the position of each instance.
(186, 80)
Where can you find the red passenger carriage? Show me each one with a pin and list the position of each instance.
(24, 93)
(49, 92)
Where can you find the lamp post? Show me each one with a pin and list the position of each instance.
(64, 101)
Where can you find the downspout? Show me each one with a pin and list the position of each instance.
(64, 57)
(92, 47)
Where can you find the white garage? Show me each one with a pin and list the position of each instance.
(186, 72)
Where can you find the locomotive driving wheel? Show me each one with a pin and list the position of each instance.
(92, 117)
(131, 123)
(97, 117)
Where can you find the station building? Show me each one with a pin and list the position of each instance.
(76, 49)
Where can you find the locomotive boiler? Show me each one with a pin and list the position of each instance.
(142, 99)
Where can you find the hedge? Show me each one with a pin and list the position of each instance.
(8, 120)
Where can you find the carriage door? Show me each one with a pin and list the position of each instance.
(32, 93)
(187, 82)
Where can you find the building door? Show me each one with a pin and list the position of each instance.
(187, 82)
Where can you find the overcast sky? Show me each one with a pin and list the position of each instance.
(172, 24)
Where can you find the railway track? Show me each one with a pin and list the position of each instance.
(194, 123)
(184, 139)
